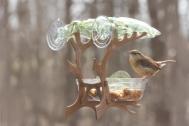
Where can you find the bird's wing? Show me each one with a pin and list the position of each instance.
(149, 63)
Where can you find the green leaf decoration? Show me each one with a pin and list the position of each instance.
(126, 25)
(122, 25)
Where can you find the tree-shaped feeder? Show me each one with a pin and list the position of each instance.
(109, 33)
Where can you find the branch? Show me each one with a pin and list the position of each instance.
(74, 69)
(79, 48)
(127, 39)
(82, 46)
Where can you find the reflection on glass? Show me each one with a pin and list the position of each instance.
(102, 32)
(55, 35)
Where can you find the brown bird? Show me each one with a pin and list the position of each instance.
(145, 66)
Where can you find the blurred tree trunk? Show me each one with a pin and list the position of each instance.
(164, 16)
(177, 76)
(69, 78)
(4, 63)
(133, 8)
(93, 9)
(158, 46)
(108, 9)
(70, 90)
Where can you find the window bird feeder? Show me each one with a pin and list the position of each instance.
(108, 33)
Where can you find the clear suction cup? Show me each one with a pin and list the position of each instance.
(102, 32)
(56, 35)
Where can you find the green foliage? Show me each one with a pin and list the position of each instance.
(126, 25)
(123, 26)
(100, 30)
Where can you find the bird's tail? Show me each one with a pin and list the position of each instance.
(164, 63)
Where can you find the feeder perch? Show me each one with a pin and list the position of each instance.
(108, 33)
